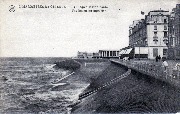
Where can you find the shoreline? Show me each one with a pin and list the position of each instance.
(85, 72)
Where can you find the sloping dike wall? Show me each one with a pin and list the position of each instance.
(134, 93)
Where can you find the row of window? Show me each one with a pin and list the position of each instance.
(158, 19)
(112, 53)
(165, 34)
(165, 27)
(156, 40)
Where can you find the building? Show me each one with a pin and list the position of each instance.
(150, 34)
(174, 34)
(86, 55)
(137, 33)
(82, 55)
(109, 53)
(96, 55)
(171, 38)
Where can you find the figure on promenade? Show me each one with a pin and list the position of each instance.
(156, 58)
(159, 58)
(165, 65)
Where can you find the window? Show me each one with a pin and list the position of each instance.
(155, 52)
(164, 51)
(107, 53)
(165, 21)
(178, 52)
(110, 53)
(171, 41)
(155, 33)
(114, 53)
(165, 34)
(165, 27)
(155, 41)
(155, 38)
(155, 27)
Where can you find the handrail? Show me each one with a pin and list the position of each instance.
(105, 85)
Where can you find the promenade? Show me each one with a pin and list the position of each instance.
(154, 69)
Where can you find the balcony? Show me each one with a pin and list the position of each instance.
(165, 37)
(165, 40)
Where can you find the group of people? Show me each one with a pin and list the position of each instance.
(158, 58)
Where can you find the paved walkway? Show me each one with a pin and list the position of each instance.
(155, 69)
(171, 64)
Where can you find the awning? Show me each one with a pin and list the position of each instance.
(125, 51)
(128, 51)
(121, 52)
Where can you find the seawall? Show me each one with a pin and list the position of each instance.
(151, 70)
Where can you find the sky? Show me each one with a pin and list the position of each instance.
(59, 32)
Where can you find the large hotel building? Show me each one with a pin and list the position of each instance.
(149, 37)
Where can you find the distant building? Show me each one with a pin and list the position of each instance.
(82, 55)
(86, 55)
(89, 55)
(109, 53)
(150, 33)
(174, 34)
(96, 55)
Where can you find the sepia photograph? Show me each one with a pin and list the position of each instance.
(89, 56)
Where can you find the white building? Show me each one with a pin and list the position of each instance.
(157, 33)
(152, 33)
(109, 53)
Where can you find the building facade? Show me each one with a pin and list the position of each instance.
(171, 44)
(152, 33)
(174, 34)
(109, 53)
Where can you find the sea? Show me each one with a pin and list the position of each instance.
(34, 85)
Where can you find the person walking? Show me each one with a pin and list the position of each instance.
(156, 58)
(165, 64)
(159, 58)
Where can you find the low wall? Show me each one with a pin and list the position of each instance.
(152, 70)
